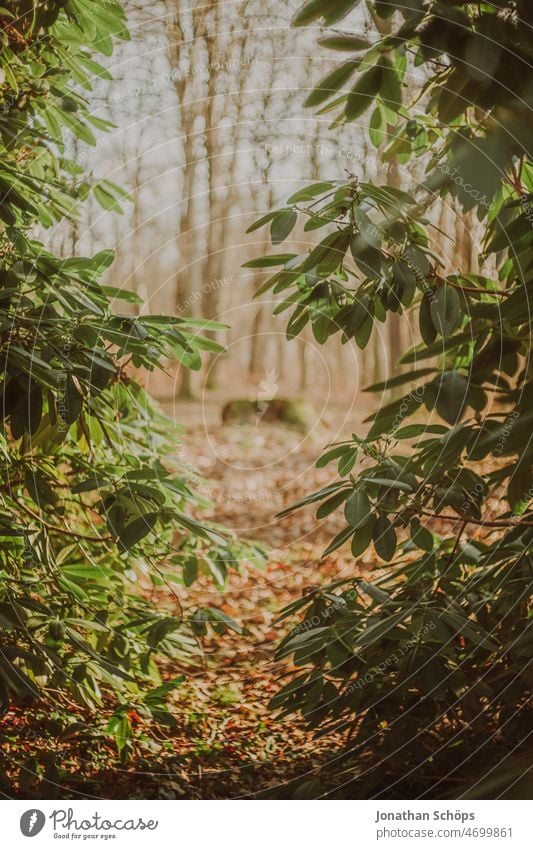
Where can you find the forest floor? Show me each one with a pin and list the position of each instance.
(227, 743)
(237, 747)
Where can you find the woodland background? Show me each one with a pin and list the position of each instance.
(210, 135)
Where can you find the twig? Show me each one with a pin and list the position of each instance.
(64, 531)
(169, 588)
(457, 541)
(496, 523)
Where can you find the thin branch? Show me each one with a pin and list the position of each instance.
(169, 588)
(457, 541)
(499, 293)
(59, 530)
(486, 523)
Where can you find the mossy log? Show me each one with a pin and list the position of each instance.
(294, 413)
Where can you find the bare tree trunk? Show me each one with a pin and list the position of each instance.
(223, 169)
(140, 284)
(304, 363)
(256, 347)
(214, 156)
(183, 32)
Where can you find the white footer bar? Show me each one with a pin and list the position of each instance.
(266, 824)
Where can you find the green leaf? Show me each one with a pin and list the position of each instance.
(17, 680)
(390, 483)
(363, 537)
(190, 571)
(331, 83)
(135, 531)
(520, 489)
(362, 337)
(35, 408)
(399, 380)
(378, 126)
(122, 294)
(439, 348)
(347, 462)
(328, 254)
(310, 192)
(390, 90)
(370, 232)
(411, 431)
(358, 509)
(268, 261)
(452, 396)
(423, 538)
(331, 504)
(347, 43)
(367, 258)
(332, 454)
(316, 9)
(70, 404)
(339, 540)
(90, 484)
(73, 588)
(226, 620)
(262, 221)
(120, 729)
(428, 330)
(282, 225)
(374, 633)
(470, 630)
(102, 260)
(310, 499)
(311, 789)
(364, 92)
(39, 489)
(218, 569)
(384, 537)
(445, 309)
(106, 199)
(322, 327)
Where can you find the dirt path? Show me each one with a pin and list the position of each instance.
(228, 743)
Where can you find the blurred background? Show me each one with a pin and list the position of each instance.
(210, 133)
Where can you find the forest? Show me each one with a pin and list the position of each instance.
(266, 399)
